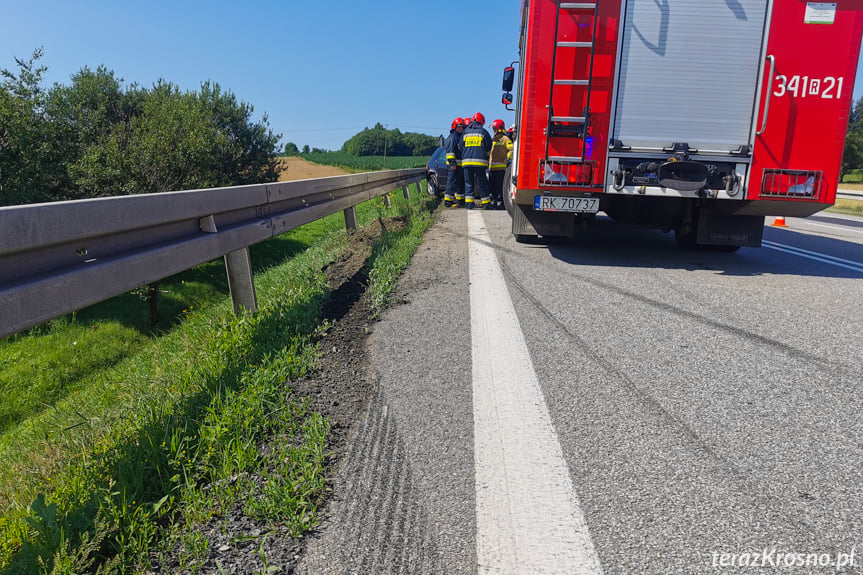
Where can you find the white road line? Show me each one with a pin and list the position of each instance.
(840, 228)
(823, 258)
(528, 516)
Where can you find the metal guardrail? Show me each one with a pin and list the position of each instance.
(60, 257)
(849, 194)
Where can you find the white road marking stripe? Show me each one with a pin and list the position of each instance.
(840, 228)
(528, 516)
(824, 258)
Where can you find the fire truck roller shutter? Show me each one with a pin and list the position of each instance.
(688, 73)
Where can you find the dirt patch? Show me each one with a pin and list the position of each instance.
(294, 168)
(340, 390)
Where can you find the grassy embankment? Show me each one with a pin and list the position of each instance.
(852, 207)
(118, 438)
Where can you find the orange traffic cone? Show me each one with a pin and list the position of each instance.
(779, 222)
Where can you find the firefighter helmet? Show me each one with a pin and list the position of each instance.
(498, 125)
(478, 117)
(457, 121)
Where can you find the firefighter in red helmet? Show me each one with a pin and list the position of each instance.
(454, 195)
(475, 149)
(501, 156)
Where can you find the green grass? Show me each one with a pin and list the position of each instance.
(852, 177)
(154, 431)
(366, 163)
(850, 207)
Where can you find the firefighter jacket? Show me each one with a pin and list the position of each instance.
(475, 146)
(501, 151)
(453, 153)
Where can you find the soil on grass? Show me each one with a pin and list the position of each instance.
(340, 390)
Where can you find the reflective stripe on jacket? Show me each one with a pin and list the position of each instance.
(501, 152)
(475, 146)
(452, 147)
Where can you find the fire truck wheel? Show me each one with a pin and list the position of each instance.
(685, 237)
(526, 238)
(507, 199)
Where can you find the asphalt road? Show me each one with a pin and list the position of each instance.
(706, 406)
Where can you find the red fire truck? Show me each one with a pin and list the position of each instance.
(698, 116)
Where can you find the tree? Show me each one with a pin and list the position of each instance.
(306, 149)
(174, 144)
(27, 160)
(371, 142)
(420, 144)
(84, 115)
(95, 138)
(247, 154)
(291, 149)
(852, 156)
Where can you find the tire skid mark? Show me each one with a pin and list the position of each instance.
(724, 464)
(833, 367)
(375, 526)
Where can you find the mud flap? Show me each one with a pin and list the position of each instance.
(528, 222)
(718, 229)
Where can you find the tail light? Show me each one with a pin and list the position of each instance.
(791, 184)
(565, 174)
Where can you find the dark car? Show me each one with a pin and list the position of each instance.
(436, 173)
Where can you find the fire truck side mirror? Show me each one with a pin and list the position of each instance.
(506, 100)
(508, 78)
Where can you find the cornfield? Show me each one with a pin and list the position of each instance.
(366, 163)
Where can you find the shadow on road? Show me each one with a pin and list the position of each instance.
(615, 245)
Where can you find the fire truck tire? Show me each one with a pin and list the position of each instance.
(507, 199)
(685, 239)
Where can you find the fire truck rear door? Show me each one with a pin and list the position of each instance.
(688, 73)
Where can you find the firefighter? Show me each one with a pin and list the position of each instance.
(501, 156)
(510, 132)
(454, 195)
(475, 150)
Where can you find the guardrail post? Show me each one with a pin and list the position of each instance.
(406, 192)
(417, 184)
(241, 282)
(351, 218)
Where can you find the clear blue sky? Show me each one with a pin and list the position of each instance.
(322, 70)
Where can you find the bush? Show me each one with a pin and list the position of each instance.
(853, 177)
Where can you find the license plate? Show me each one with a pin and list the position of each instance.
(565, 204)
